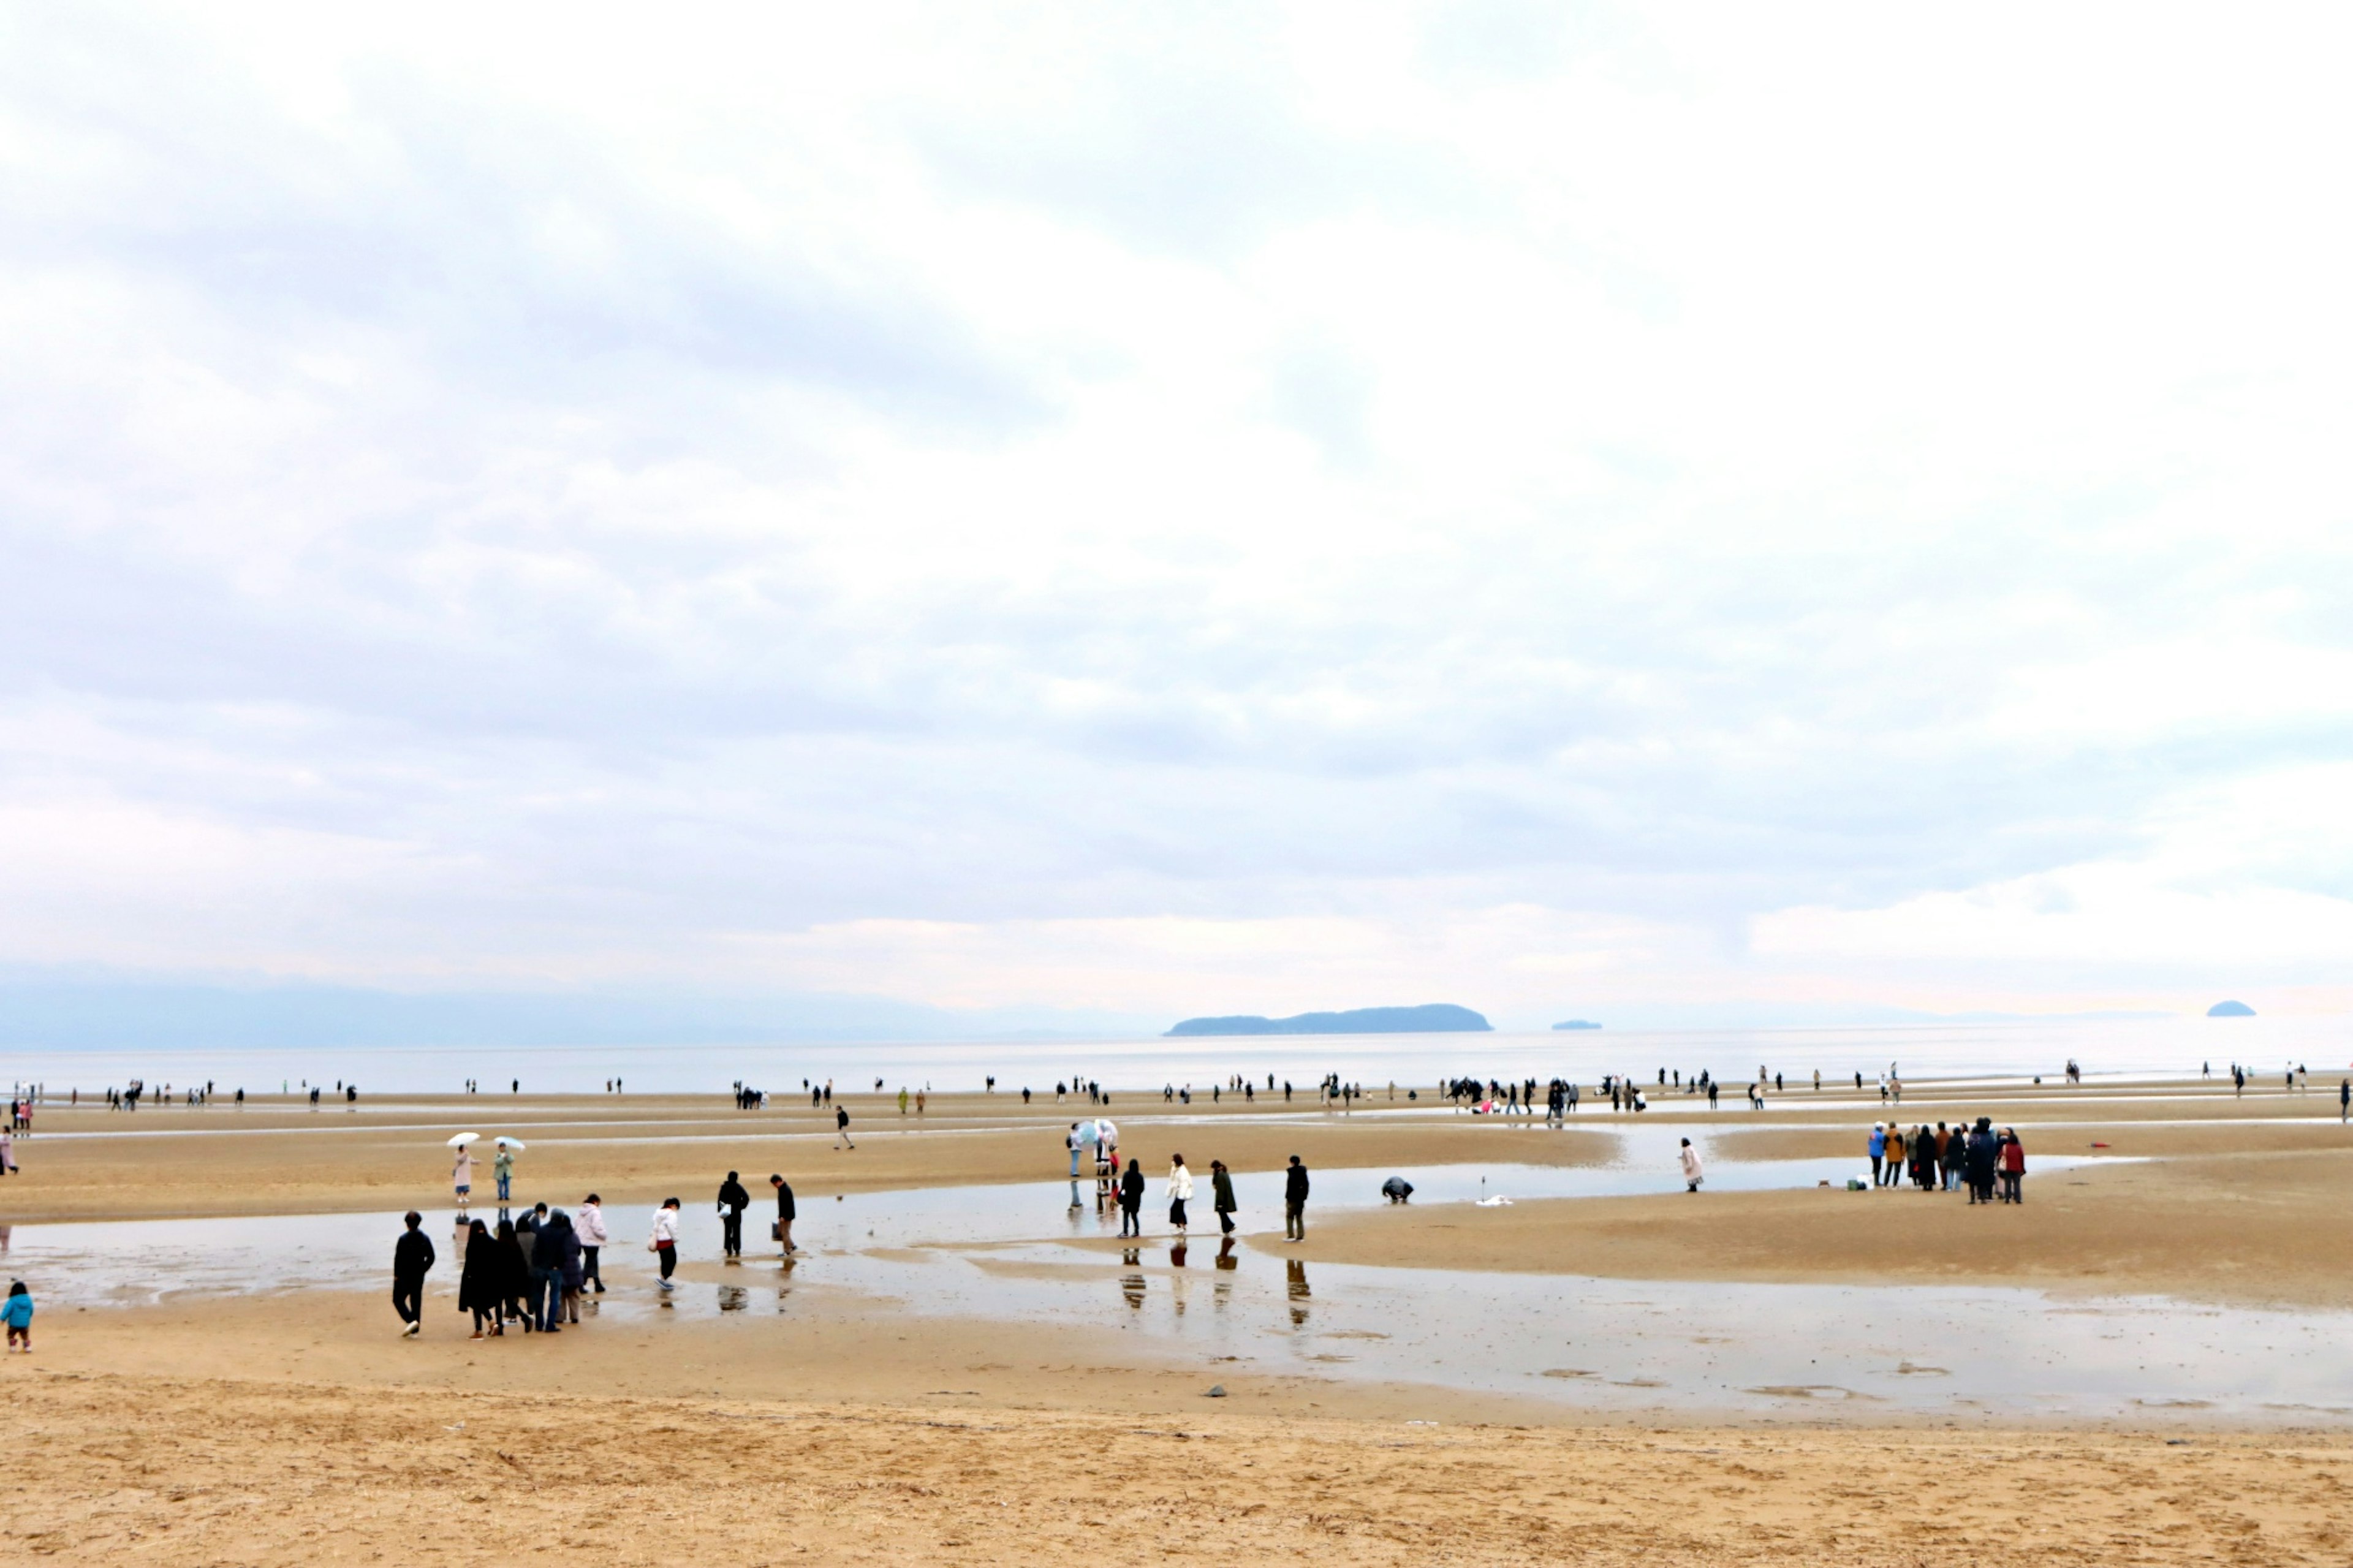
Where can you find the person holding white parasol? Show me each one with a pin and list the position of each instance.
(461, 1174)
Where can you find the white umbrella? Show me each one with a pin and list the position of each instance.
(463, 1139)
(509, 1143)
(1084, 1132)
(1105, 1133)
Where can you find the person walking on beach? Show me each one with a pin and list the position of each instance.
(590, 1223)
(1180, 1192)
(1693, 1174)
(1131, 1200)
(18, 1315)
(732, 1201)
(785, 1212)
(412, 1255)
(480, 1278)
(663, 1242)
(1222, 1195)
(1294, 1202)
(841, 1129)
(2344, 1098)
(461, 1174)
(2013, 1166)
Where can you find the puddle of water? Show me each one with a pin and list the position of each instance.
(1002, 1253)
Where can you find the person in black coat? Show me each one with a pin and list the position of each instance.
(515, 1272)
(1294, 1202)
(481, 1278)
(559, 1254)
(412, 1255)
(1131, 1199)
(732, 1201)
(1982, 1149)
(786, 1212)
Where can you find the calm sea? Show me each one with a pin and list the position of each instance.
(2166, 1045)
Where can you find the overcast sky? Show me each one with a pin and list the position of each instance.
(1157, 509)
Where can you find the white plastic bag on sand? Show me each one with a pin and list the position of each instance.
(1498, 1202)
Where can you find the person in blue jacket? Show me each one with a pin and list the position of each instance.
(18, 1315)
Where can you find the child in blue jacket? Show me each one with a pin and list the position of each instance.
(18, 1315)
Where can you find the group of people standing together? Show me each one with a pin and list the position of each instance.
(1129, 1186)
(533, 1270)
(1950, 1157)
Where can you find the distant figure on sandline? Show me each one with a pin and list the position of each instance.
(663, 1242)
(1294, 1202)
(732, 1201)
(841, 1129)
(412, 1257)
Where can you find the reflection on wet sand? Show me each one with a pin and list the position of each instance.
(1000, 1254)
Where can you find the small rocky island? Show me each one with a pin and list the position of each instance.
(1434, 1018)
(2229, 1010)
(1576, 1023)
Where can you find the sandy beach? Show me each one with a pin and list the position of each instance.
(804, 1421)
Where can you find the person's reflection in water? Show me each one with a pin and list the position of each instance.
(1296, 1269)
(1226, 1258)
(732, 1298)
(1177, 1253)
(1132, 1286)
(1227, 1263)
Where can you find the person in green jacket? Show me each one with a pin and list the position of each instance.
(502, 1167)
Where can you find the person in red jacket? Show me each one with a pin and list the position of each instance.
(2013, 1166)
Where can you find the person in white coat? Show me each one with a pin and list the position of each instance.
(590, 1223)
(1180, 1192)
(663, 1242)
(1693, 1174)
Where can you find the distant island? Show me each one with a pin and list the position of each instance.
(2229, 1010)
(1577, 1023)
(1436, 1018)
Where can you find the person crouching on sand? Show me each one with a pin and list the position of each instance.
(18, 1315)
(1693, 1174)
(1180, 1192)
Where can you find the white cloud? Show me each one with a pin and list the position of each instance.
(1231, 509)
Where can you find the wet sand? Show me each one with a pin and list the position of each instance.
(2259, 1227)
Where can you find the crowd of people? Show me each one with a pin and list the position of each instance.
(530, 1273)
(1992, 1163)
